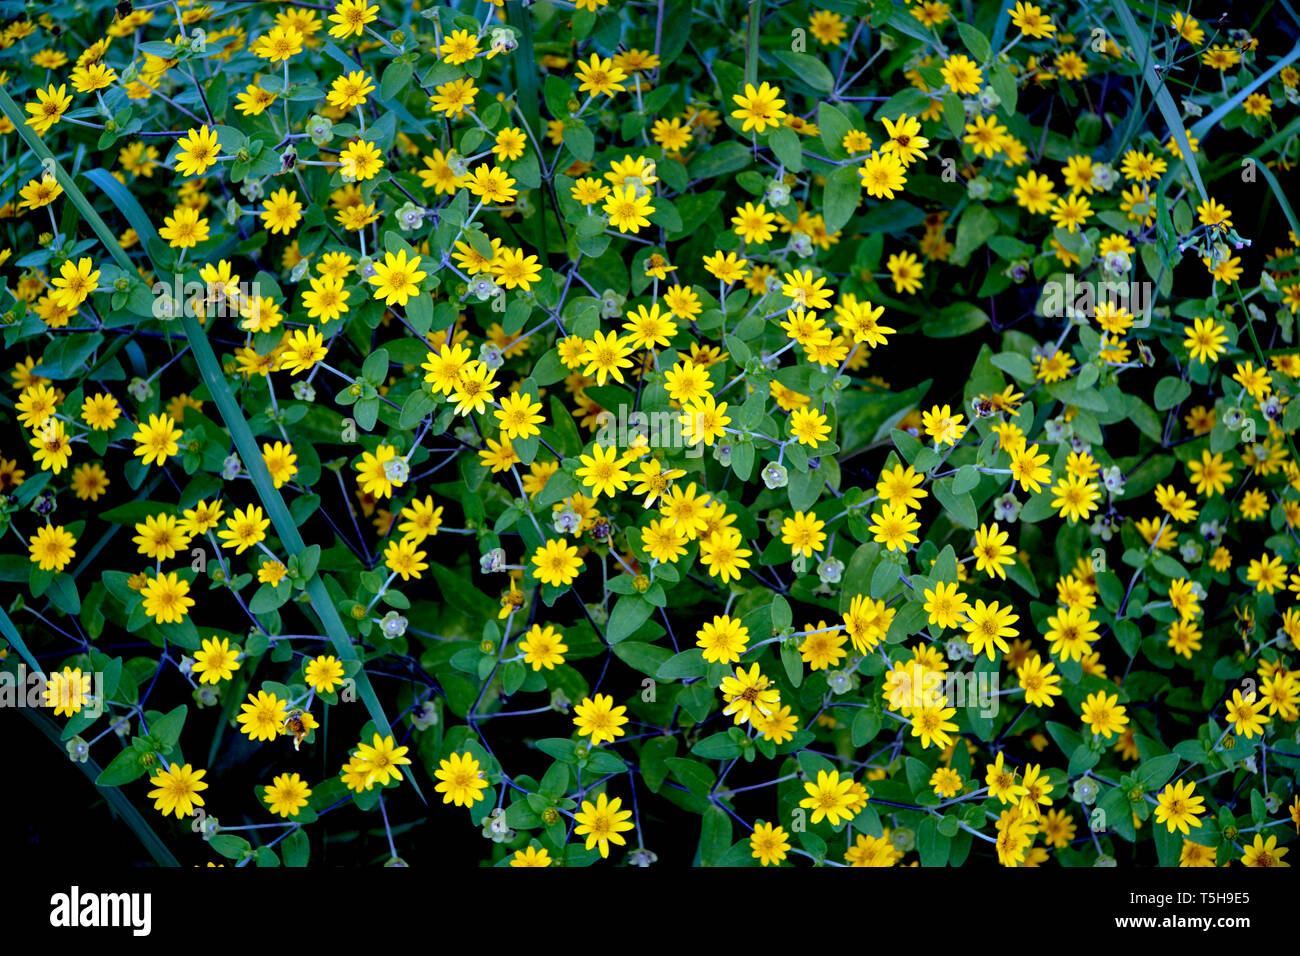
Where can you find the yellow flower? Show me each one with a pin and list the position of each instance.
(282, 211)
(962, 75)
(199, 149)
(1104, 714)
(381, 760)
(769, 844)
(1264, 853)
(280, 461)
(882, 175)
(556, 563)
(350, 90)
(244, 529)
(397, 278)
(216, 660)
(803, 532)
(759, 108)
(177, 790)
(603, 823)
(543, 647)
(1031, 21)
(286, 794)
(278, 45)
(599, 719)
(350, 18)
(402, 558)
(599, 76)
(627, 209)
(166, 598)
(988, 625)
(460, 780)
(51, 103)
(51, 548)
(156, 439)
(829, 798)
(531, 856)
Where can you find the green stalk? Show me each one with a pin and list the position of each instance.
(1281, 196)
(210, 370)
(1249, 322)
(1201, 126)
(115, 797)
(527, 90)
(1164, 102)
(751, 43)
(15, 639)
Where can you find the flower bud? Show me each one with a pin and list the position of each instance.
(78, 749)
(775, 475)
(1085, 791)
(409, 216)
(393, 625)
(490, 355)
(140, 389)
(1007, 508)
(320, 129)
(830, 571)
(426, 717)
(503, 40)
(397, 470)
(840, 682)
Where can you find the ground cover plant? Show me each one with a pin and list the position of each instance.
(683, 433)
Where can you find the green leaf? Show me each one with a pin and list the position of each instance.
(866, 724)
(690, 663)
(717, 747)
(931, 845)
(395, 79)
(654, 756)
(975, 41)
(630, 612)
(646, 658)
(296, 848)
(1171, 391)
(785, 144)
(960, 508)
(809, 69)
(726, 157)
(715, 836)
(1083, 759)
(122, 769)
(1155, 773)
(696, 776)
(977, 225)
(167, 729)
(1015, 365)
(580, 142)
(843, 193)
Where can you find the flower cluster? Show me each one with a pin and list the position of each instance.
(866, 438)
